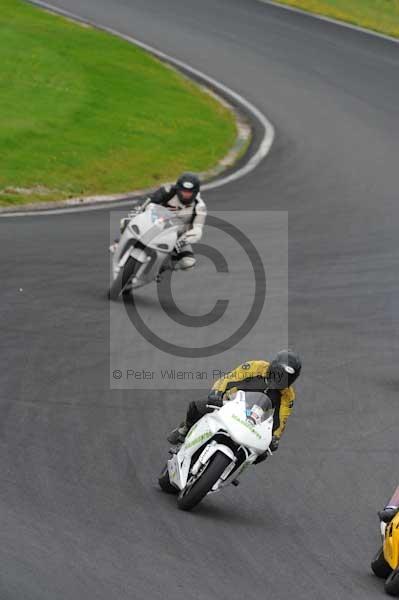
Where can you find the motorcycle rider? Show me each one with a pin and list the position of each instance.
(274, 378)
(185, 200)
(391, 509)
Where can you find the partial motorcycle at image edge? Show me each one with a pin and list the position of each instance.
(386, 562)
(218, 448)
(145, 246)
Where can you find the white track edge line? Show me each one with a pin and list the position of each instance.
(253, 162)
(331, 20)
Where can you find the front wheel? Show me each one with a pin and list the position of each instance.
(192, 496)
(392, 583)
(379, 565)
(123, 278)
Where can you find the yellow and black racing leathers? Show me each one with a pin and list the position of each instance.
(248, 376)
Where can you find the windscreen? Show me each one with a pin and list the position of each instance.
(394, 501)
(258, 407)
(162, 217)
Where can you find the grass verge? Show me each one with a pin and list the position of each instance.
(378, 15)
(83, 112)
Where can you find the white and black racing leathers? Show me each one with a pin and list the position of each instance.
(193, 218)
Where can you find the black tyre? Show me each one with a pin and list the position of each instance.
(392, 583)
(189, 498)
(164, 482)
(123, 278)
(379, 565)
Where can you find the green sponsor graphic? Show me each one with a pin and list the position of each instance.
(248, 426)
(199, 439)
(190, 433)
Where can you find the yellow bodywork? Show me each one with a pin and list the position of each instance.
(391, 543)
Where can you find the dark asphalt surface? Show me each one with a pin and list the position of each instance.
(80, 513)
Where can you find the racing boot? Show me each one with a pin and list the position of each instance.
(178, 435)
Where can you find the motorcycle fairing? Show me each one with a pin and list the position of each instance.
(231, 418)
(391, 543)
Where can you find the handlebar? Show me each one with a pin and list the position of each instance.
(140, 208)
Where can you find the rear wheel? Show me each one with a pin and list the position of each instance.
(164, 482)
(379, 565)
(123, 277)
(392, 583)
(189, 498)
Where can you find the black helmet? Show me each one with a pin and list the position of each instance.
(284, 370)
(187, 187)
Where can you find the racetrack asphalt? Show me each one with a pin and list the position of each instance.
(81, 515)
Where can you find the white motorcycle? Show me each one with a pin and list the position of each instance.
(218, 448)
(147, 241)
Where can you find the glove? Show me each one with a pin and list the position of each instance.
(139, 208)
(274, 443)
(215, 397)
(180, 245)
(142, 207)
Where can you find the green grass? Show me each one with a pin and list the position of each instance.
(82, 112)
(379, 15)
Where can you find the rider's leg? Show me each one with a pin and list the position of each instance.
(196, 410)
(184, 259)
(178, 261)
